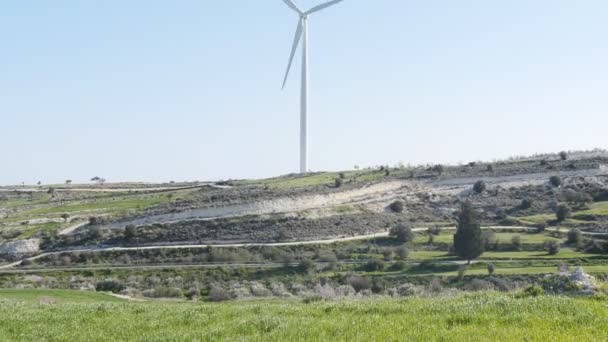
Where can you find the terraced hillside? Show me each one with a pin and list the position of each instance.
(151, 238)
(306, 207)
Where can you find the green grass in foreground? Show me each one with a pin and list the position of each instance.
(486, 316)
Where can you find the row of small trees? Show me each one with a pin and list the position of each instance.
(469, 239)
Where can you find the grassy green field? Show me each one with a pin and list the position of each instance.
(599, 209)
(15, 203)
(503, 238)
(506, 255)
(526, 270)
(103, 203)
(473, 317)
(31, 229)
(324, 178)
(34, 296)
(595, 209)
(114, 205)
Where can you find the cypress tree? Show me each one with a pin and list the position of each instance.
(467, 240)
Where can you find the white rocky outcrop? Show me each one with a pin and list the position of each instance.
(570, 282)
(582, 280)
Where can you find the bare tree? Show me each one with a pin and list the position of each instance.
(65, 216)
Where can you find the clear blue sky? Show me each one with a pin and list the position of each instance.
(190, 90)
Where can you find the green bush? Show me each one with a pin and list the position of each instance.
(526, 203)
(541, 226)
(402, 233)
(509, 221)
(491, 268)
(397, 206)
(479, 186)
(377, 285)
(532, 291)
(489, 239)
(130, 231)
(374, 265)
(359, 283)
(109, 286)
(555, 181)
(579, 198)
(438, 169)
(218, 294)
(306, 266)
(164, 292)
(575, 236)
(402, 252)
(516, 242)
(551, 246)
(398, 266)
(563, 212)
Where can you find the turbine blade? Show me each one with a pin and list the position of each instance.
(292, 6)
(296, 41)
(322, 6)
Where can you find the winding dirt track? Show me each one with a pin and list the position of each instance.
(237, 245)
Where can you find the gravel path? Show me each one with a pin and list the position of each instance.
(236, 245)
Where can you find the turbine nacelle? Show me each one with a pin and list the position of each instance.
(300, 28)
(314, 9)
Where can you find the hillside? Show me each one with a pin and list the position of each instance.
(283, 236)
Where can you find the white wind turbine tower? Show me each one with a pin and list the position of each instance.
(302, 34)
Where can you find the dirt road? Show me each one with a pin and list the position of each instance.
(237, 245)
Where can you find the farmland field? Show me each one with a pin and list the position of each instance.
(487, 316)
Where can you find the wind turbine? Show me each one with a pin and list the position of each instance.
(302, 35)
